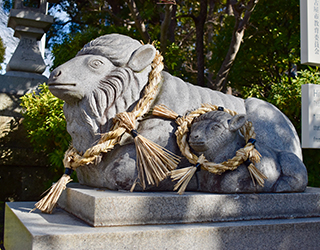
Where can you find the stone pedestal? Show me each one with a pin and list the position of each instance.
(19, 83)
(167, 221)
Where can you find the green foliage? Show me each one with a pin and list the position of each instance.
(286, 94)
(71, 45)
(45, 123)
(271, 47)
(172, 65)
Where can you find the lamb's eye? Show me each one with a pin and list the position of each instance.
(215, 126)
(96, 63)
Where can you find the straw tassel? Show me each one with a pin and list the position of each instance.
(253, 158)
(256, 175)
(162, 110)
(48, 202)
(154, 162)
(184, 175)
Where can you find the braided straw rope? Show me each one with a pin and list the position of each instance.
(123, 122)
(153, 161)
(184, 175)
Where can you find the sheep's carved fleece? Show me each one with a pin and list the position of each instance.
(108, 76)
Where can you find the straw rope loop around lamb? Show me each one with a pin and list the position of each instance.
(242, 155)
(153, 161)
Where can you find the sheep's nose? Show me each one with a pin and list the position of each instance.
(56, 74)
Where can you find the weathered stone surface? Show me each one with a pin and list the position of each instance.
(29, 18)
(217, 136)
(24, 230)
(20, 83)
(107, 77)
(100, 207)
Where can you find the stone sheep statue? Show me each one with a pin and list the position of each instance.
(108, 76)
(216, 135)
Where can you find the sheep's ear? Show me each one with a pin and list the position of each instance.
(141, 58)
(237, 122)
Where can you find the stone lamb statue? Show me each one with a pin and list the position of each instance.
(108, 76)
(216, 135)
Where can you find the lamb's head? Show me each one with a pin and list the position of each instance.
(216, 132)
(105, 78)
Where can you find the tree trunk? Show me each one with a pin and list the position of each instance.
(173, 24)
(220, 83)
(164, 28)
(210, 35)
(199, 22)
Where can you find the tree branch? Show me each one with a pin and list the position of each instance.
(237, 36)
(183, 40)
(186, 15)
(138, 21)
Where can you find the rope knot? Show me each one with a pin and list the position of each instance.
(252, 141)
(220, 108)
(134, 133)
(179, 120)
(126, 120)
(200, 161)
(68, 171)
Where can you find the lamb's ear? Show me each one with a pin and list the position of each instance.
(237, 122)
(141, 58)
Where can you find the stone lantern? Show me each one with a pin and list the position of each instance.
(30, 21)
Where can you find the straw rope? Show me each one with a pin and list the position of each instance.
(153, 161)
(242, 155)
(123, 122)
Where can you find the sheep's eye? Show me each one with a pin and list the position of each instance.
(96, 63)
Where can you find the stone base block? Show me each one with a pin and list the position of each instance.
(99, 207)
(24, 230)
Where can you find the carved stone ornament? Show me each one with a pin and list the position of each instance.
(108, 77)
